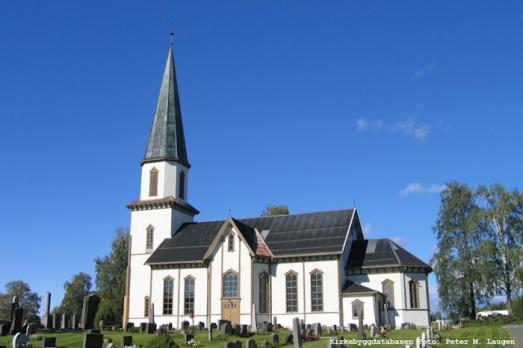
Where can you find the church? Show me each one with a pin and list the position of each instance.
(316, 266)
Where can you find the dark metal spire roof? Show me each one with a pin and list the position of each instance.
(166, 139)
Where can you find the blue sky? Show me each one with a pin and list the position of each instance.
(313, 104)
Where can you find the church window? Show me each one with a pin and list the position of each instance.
(146, 306)
(149, 239)
(388, 292)
(357, 307)
(414, 293)
(188, 302)
(291, 292)
(264, 292)
(230, 284)
(230, 246)
(153, 182)
(168, 286)
(316, 291)
(181, 184)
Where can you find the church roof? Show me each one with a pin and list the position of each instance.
(319, 233)
(166, 139)
(351, 287)
(379, 253)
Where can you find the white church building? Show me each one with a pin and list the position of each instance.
(316, 266)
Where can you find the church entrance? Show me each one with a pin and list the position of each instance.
(231, 310)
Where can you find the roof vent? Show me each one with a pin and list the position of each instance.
(265, 233)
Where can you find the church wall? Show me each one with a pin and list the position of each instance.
(369, 316)
(139, 288)
(374, 281)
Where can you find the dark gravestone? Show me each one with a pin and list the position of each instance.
(65, 322)
(16, 323)
(275, 340)
(89, 309)
(129, 326)
(238, 344)
(214, 326)
(360, 335)
(244, 331)
(222, 321)
(127, 341)
(4, 329)
(151, 328)
(143, 327)
(250, 343)
(316, 327)
(187, 337)
(170, 326)
(75, 321)
(229, 344)
(185, 325)
(93, 340)
(201, 325)
(288, 339)
(49, 342)
(31, 329)
(56, 321)
(226, 329)
(302, 325)
(353, 327)
(209, 333)
(237, 329)
(46, 322)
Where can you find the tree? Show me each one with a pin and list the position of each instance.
(502, 215)
(28, 300)
(75, 290)
(110, 275)
(275, 209)
(456, 263)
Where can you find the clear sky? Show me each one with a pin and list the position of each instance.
(315, 104)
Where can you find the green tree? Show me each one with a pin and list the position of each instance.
(502, 215)
(28, 300)
(75, 290)
(110, 275)
(456, 263)
(275, 209)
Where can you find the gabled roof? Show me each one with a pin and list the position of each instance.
(379, 253)
(320, 233)
(351, 287)
(166, 139)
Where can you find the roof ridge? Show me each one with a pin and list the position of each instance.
(306, 213)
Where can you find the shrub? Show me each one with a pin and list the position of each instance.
(517, 308)
(106, 313)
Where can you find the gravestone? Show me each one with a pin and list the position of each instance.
(386, 314)
(226, 329)
(201, 325)
(335, 327)
(129, 326)
(250, 343)
(244, 330)
(213, 326)
(275, 340)
(150, 315)
(209, 333)
(185, 325)
(16, 321)
(238, 344)
(127, 341)
(56, 321)
(269, 327)
(93, 340)
(372, 331)
(353, 327)
(254, 325)
(4, 329)
(267, 344)
(187, 337)
(143, 327)
(302, 325)
(361, 335)
(237, 329)
(288, 339)
(89, 309)
(150, 328)
(46, 322)
(31, 329)
(229, 344)
(275, 321)
(316, 327)
(222, 321)
(65, 322)
(75, 322)
(49, 342)
(20, 340)
(296, 333)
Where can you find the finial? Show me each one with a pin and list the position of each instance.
(229, 213)
(354, 202)
(172, 37)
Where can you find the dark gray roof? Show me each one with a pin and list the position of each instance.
(166, 139)
(376, 253)
(354, 288)
(289, 235)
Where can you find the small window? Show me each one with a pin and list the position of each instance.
(153, 182)
(388, 292)
(414, 293)
(316, 291)
(146, 306)
(291, 292)
(149, 239)
(264, 292)
(357, 307)
(168, 286)
(188, 302)
(230, 285)
(181, 185)
(230, 246)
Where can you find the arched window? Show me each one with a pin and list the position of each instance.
(153, 182)
(291, 291)
(168, 286)
(146, 306)
(388, 292)
(188, 301)
(264, 292)
(181, 185)
(230, 284)
(414, 293)
(149, 239)
(316, 291)
(357, 307)
(230, 244)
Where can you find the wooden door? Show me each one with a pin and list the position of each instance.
(231, 310)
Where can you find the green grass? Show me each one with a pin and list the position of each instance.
(482, 333)
(74, 339)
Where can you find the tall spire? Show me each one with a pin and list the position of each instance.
(166, 139)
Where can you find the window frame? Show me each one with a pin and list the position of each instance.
(153, 182)
(387, 296)
(291, 304)
(361, 304)
(227, 285)
(316, 296)
(188, 299)
(414, 294)
(263, 292)
(149, 239)
(230, 242)
(146, 306)
(168, 298)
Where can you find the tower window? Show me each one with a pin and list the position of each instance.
(230, 244)
(188, 301)
(149, 239)
(316, 291)
(291, 292)
(168, 285)
(153, 182)
(181, 185)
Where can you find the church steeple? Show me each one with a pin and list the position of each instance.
(166, 139)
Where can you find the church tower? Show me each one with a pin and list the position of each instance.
(163, 203)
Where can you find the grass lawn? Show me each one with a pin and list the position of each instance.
(482, 333)
(74, 339)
